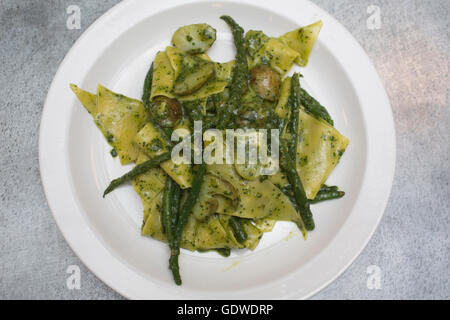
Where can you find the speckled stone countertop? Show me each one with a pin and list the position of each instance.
(411, 247)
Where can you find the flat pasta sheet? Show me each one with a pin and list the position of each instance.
(118, 117)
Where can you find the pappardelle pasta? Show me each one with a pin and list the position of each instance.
(222, 206)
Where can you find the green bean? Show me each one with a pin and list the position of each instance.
(327, 195)
(191, 199)
(148, 87)
(288, 155)
(325, 188)
(136, 171)
(239, 78)
(238, 229)
(239, 85)
(174, 265)
(194, 110)
(294, 103)
(176, 198)
(167, 209)
(186, 210)
(301, 200)
(240, 75)
(313, 106)
(293, 175)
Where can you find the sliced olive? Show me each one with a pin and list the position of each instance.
(193, 75)
(266, 82)
(166, 111)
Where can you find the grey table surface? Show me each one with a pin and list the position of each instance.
(411, 247)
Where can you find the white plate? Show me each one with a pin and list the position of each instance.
(116, 51)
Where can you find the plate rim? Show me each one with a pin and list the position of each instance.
(47, 173)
